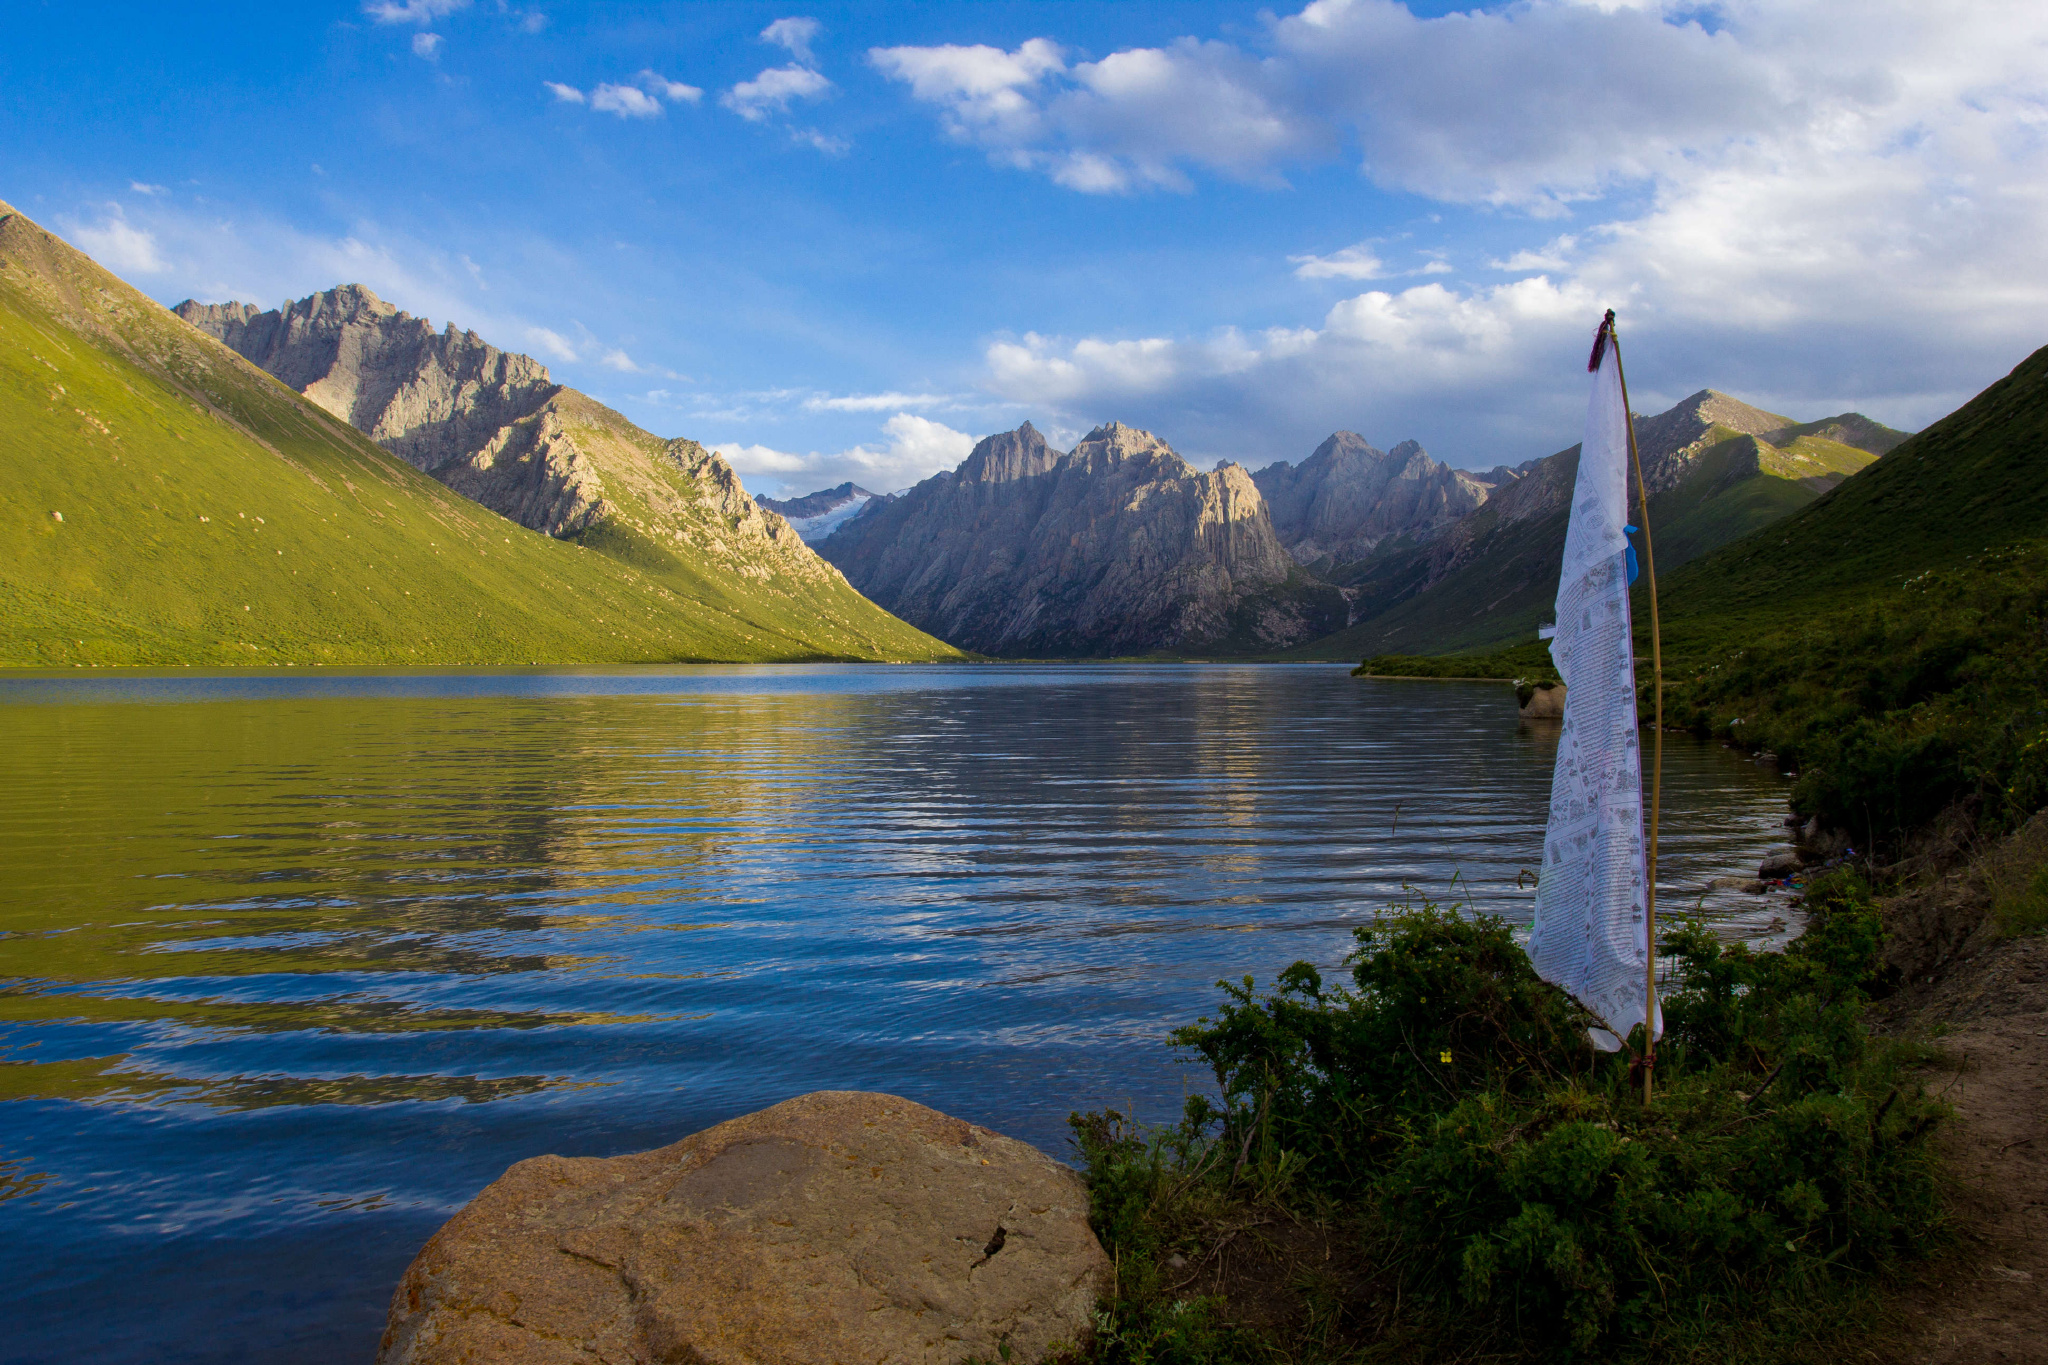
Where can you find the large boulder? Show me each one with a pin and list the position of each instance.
(836, 1227)
(1541, 701)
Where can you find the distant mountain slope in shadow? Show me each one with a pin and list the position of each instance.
(1970, 485)
(1717, 469)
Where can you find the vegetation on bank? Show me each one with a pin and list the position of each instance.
(1893, 706)
(1431, 1163)
(1928, 698)
(1531, 662)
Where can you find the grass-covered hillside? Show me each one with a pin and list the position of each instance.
(1891, 640)
(169, 503)
(1975, 481)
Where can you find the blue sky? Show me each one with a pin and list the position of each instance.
(842, 241)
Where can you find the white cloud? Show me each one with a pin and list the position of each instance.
(917, 448)
(1537, 104)
(476, 272)
(675, 92)
(874, 402)
(412, 11)
(795, 34)
(533, 22)
(616, 358)
(760, 459)
(984, 92)
(1555, 255)
(140, 188)
(824, 142)
(1129, 121)
(627, 101)
(119, 245)
(1813, 204)
(1352, 263)
(772, 92)
(553, 343)
(640, 99)
(427, 45)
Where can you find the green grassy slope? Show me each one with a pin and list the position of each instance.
(211, 515)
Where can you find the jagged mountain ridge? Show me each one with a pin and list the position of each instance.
(1336, 506)
(494, 426)
(1117, 547)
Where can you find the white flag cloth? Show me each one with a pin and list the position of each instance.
(1591, 933)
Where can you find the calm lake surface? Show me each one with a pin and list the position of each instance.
(291, 965)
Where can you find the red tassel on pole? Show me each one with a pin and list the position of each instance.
(1600, 341)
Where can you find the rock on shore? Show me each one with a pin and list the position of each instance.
(837, 1226)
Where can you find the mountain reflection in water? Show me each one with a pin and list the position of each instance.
(292, 964)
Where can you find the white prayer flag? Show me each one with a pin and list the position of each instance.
(1592, 923)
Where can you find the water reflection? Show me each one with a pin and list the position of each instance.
(295, 964)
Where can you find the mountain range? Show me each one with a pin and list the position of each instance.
(151, 427)
(1120, 547)
(172, 502)
(1347, 497)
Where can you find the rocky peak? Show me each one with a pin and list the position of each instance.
(1008, 455)
(494, 426)
(1113, 442)
(1120, 547)
(430, 398)
(1349, 495)
(1409, 455)
(1345, 447)
(1669, 441)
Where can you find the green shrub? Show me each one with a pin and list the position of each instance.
(1449, 1102)
(1444, 1006)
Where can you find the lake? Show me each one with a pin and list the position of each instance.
(293, 963)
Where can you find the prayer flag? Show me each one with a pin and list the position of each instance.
(1592, 923)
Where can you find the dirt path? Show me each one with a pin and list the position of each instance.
(1987, 1300)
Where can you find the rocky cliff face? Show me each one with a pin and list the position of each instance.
(494, 426)
(1117, 547)
(427, 397)
(1347, 497)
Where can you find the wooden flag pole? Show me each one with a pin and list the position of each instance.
(1657, 770)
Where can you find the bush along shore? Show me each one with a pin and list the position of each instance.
(1431, 1163)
